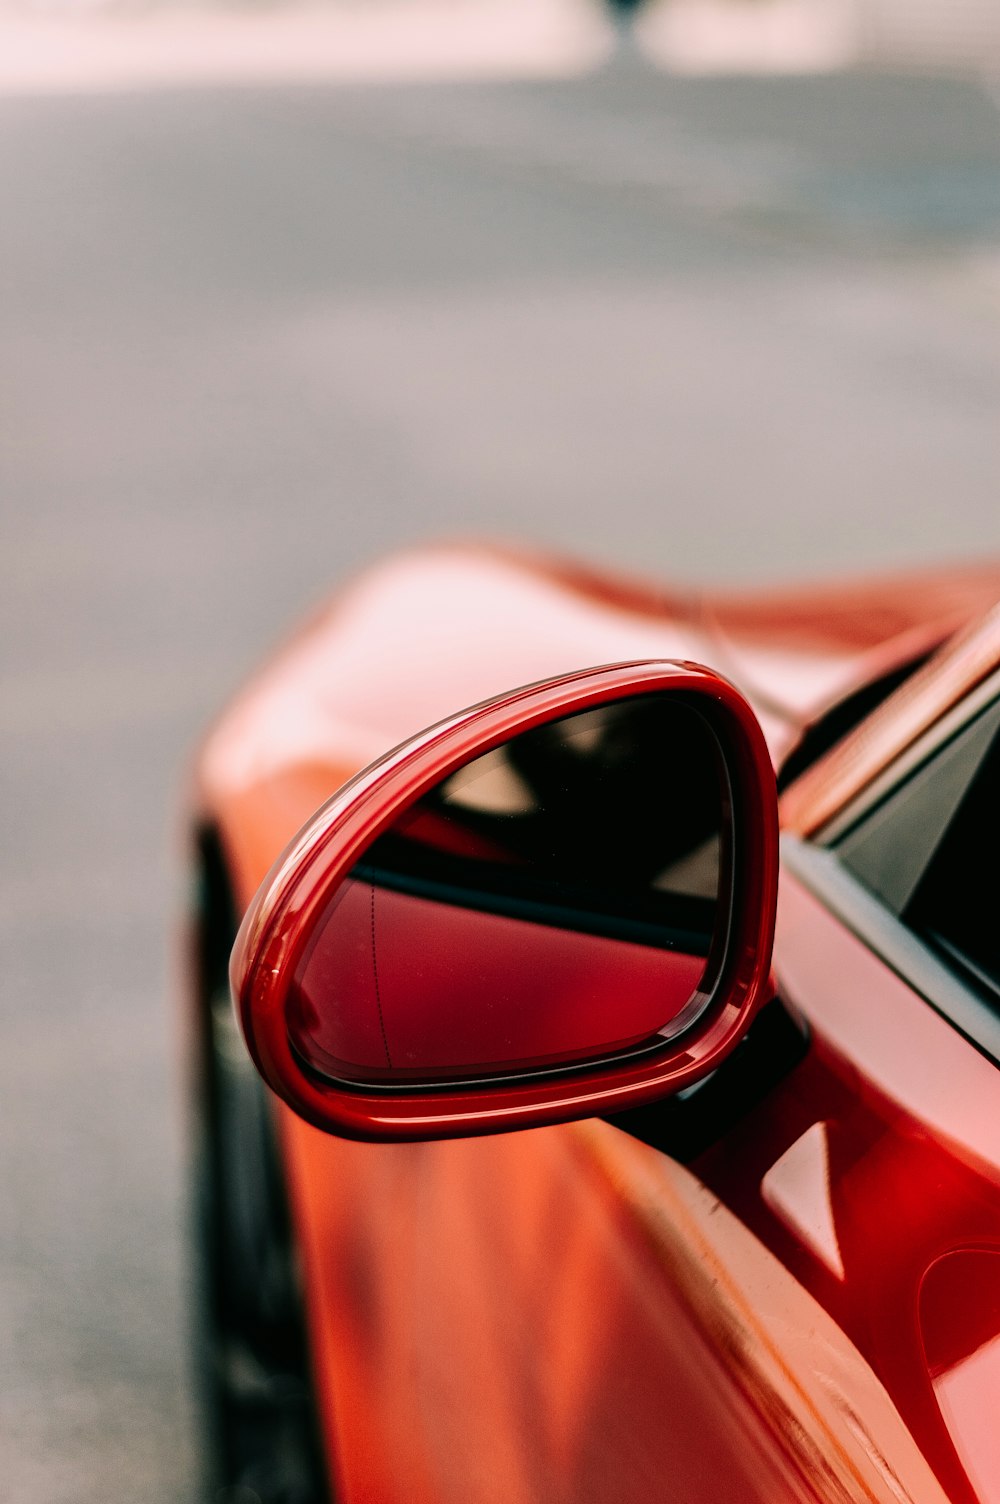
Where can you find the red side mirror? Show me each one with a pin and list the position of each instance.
(556, 904)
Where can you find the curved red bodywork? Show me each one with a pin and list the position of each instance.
(566, 1314)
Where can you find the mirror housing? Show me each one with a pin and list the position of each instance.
(486, 1052)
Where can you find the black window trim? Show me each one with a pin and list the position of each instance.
(816, 865)
(950, 725)
(821, 872)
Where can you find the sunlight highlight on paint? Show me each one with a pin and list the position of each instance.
(797, 1189)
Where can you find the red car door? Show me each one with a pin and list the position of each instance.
(811, 1310)
(873, 1171)
(796, 1301)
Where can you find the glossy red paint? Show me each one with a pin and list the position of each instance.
(799, 650)
(433, 628)
(283, 919)
(875, 1159)
(960, 1327)
(524, 1318)
(566, 1315)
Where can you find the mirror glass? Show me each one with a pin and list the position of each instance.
(562, 897)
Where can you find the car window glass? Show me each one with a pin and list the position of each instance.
(929, 851)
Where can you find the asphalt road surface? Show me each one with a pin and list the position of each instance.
(718, 330)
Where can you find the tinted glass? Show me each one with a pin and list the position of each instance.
(556, 898)
(929, 851)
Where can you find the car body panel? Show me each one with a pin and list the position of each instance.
(889, 1137)
(539, 1332)
(435, 629)
(799, 651)
(568, 1315)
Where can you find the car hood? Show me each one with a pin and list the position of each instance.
(797, 652)
(435, 629)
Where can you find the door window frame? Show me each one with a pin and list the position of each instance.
(818, 867)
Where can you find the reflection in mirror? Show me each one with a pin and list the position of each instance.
(560, 897)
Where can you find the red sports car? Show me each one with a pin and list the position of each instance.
(579, 1177)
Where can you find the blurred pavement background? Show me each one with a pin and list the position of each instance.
(281, 290)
